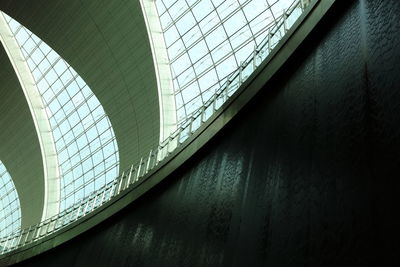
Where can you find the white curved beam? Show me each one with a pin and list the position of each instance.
(166, 97)
(40, 119)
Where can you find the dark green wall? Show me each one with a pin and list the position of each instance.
(19, 144)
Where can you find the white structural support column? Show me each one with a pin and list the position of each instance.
(168, 120)
(40, 118)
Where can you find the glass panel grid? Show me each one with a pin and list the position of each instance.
(208, 40)
(78, 121)
(10, 211)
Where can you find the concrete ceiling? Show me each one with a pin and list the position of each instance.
(106, 42)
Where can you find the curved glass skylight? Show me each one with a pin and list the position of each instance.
(208, 40)
(84, 139)
(10, 211)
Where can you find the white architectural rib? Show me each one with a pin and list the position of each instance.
(40, 118)
(166, 97)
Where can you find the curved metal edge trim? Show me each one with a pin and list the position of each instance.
(40, 119)
(166, 97)
(248, 90)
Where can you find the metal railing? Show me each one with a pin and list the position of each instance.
(137, 172)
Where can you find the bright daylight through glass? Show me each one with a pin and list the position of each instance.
(208, 40)
(10, 210)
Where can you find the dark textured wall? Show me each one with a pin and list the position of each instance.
(304, 176)
(19, 144)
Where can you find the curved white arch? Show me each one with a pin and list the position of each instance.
(40, 119)
(166, 97)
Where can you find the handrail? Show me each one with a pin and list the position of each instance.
(134, 174)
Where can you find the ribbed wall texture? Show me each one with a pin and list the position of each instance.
(305, 176)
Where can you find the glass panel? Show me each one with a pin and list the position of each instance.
(10, 211)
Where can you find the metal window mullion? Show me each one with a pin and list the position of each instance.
(227, 36)
(51, 67)
(81, 134)
(248, 25)
(190, 59)
(205, 71)
(204, 35)
(63, 87)
(174, 20)
(223, 58)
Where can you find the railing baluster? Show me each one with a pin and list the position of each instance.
(254, 58)
(94, 203)
(285, 28)
(129, 177)
(27, 235)
(102, 197)
(120, 183)
(6, 243)
(139, 169)
(240, 73)
(148, 161)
